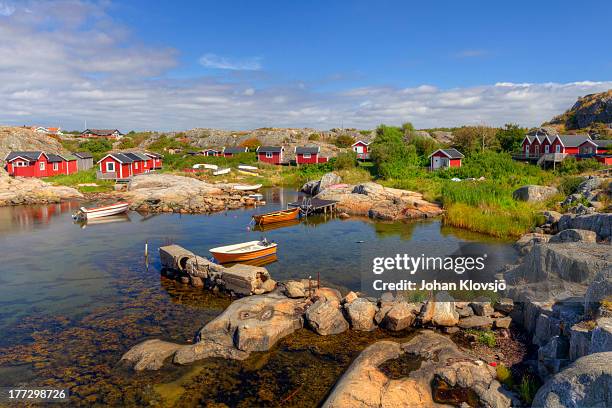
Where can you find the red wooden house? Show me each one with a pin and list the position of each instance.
(361, 148)
(309, 155)
(39, 164)
(102, 133)
(156, 160)
(601, 150)
(231, 151)
(445, 158)
(270, 154)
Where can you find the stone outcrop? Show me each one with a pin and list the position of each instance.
(600, 223)
(587, 111)
(378, 202)
(585, 383)
(525, 243)
(574, 235)
(14, 138)
(30, 190)
(434, 360)
(249, 324)
(171, 193)
(534, 193)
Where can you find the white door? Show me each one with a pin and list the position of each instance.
(437, 162)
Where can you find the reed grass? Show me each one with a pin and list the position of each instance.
(82, 177)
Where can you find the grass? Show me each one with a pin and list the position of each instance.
(82, 177)
(485, 337)
(527, 389)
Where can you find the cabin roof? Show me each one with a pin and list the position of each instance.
(307, 150)
(602, 142)
(29, 155)
(154, 155)
(120, 157)
(135, 156)
(450, 153)
(360, 142)
(234, 149)
(101, 132)
(83, 155)
(573, 140)
(270, 149)
(54, 158)
(69, 157)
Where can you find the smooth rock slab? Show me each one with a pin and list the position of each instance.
(476, 322)
(601, 340)
(150, 354)
(574, 235)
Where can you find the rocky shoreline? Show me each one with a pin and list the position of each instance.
(29, 191)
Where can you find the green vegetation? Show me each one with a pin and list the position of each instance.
(510, 137)
(314, 137)
(504, 375)
(344, 141)
(572, 166)
(83, 177)
(485, 337)
(528, 389)
(252, 144)
(165, 142)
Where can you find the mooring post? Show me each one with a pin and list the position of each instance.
(146, 254)
(309, 286)
(318, 279)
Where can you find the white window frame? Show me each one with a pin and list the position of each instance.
(55, 166)
(41, 166)
(547, 149)
(558, 149)
(135, 165)
(306, 155)
(358, 149)
(20, 164)
(269, 155)
(108, 168)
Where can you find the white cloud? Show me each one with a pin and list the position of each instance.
(68, 61)
(6, 9)
(471, 53)
(219, 62)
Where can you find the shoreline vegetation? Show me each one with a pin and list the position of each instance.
(481, 202)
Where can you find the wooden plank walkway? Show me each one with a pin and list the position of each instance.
(314, 205)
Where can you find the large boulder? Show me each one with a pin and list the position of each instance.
(534, 193)
(440, 311)
(325, 318)
(525, 243)
(599, 289)
(361, 314)
(428, 359)
(600, 223)
(574, 235)
(585, 383)
(601, 340)
(316, 186)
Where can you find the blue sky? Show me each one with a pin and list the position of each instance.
(246, 64)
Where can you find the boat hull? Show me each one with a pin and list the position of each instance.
(224, 257)
(277, 216)
(91, 213)
(248, 188)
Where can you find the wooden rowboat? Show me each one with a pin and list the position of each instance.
(245, 167)
(221, 171)
(244, 187)
(245, 251)
(97, 212)
(277, 216)
(249, 173)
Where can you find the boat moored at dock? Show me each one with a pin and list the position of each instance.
(245, 251)
(104, 211)
(277, 216)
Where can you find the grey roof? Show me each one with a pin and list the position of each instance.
(54, 158)
(234, 149)
(156, 155)
(137, 156)
(540, 138)
(269, 149)
(101, 132)
(307, 150)
(83, 155)
(122, 157)
(451, 153)
(573, 140)
(603, 142)
(30, 155)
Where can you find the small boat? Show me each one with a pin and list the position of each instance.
(245, 167)
(206, 166)
(245, 251)
(249, 173)
(221, 171)
(256, 196)
(277, 216)
(97, 212)
(244, 187)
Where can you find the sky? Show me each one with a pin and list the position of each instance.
(175, 65)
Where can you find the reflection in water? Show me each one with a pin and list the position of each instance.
(103, 220)
(275, 225)
(73, 300)
(262, 261)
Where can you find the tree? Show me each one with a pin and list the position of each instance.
(470, 139)
(510, 137)
(344, 141)
(251, 143)
(392, 158)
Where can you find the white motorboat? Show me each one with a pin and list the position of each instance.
(221, 171)
(245, 167)
(205, 166)
(97, 212)
(244, 187)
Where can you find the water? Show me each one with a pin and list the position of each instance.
(73, 300)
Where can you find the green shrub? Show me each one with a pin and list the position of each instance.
(314, 137)
(569, 184)
(346, 160)
(572, 166)
(528, 389)
(504, 375)
(486, 337)
(344, 141)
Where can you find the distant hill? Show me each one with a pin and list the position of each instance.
(24, 139)
(590, 113)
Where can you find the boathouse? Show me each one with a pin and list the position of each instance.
(102, 133)
(445, 158)
(270, 154)
(233, 150)
(39, 164)
(156, 160)
(84, 160)
(361, 148)
(309, 155)
(140, 162)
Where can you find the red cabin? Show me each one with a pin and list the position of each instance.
(309, 155)
(445, 158)
(361, 148)
(270, 154)
(39, 164)
(114, 134)
(156, 160)
(231, 151)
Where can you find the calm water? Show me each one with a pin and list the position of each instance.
(73, 299)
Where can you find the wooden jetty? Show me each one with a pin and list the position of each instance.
(310, 205)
